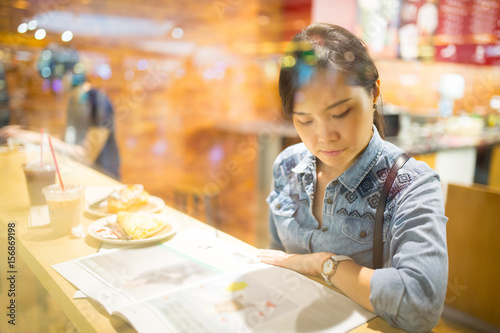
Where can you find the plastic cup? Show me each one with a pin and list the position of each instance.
(37, 177)
(65, 207)
(13, 193)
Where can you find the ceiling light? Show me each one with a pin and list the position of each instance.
(67, 36)
(142, 64)
(177, 33)
(32, 25)
(102, 26)
(22, 28)
(40, 34)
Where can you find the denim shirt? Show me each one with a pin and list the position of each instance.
(409, 290)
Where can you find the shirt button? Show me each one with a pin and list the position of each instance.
(362, 234)
(278, 206)
(324, 229)
(329, 201)
(335, 182)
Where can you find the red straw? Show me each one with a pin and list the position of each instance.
(55, 162)
(41, 146)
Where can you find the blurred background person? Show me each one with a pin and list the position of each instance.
(90, 134)
(91, 121)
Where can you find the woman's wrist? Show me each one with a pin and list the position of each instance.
(319, 260)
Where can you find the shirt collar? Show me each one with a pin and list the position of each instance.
(353, 176)
(307, 164)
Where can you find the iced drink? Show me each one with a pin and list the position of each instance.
(65, 207)
(13, 193)
(37, 177)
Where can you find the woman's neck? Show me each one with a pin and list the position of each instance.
(326, 172)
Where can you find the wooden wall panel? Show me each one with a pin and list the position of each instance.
(473, 248)
(494, 172)
(430, 159)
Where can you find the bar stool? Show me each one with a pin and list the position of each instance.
(197, 198)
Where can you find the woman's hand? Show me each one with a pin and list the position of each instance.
(16, 131)
(9, 131)
(308, 264)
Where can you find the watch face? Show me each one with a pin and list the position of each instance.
(327, 266)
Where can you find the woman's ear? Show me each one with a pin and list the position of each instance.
(376, 91)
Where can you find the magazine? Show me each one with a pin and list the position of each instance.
(208, 285)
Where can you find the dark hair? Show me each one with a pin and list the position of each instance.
(322, 47)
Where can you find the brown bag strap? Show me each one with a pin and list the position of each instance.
(378, 247)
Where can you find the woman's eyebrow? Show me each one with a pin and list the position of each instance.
(300, 113)
(337, 104)
(327, 108)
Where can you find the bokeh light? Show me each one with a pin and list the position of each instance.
(129, 75)
(216, 154)
(177, 33)
(22, 28)
(495, 102)
(79, 68)
(57, 85)
(219, 73)
(46, 71)
(104, 71)
(40, 34)
(67, 36)
(288, 61)
(142, 64)
(32, 25)
(59, 70)
(46, 55)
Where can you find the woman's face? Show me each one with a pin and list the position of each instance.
(334, 120)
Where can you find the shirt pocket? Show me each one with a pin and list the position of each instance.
(283, 209)
(360, 230)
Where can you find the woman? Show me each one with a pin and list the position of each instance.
(326, 189)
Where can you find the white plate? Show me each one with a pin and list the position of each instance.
(154, 205)
(168, 231)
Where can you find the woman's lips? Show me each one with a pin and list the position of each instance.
(331, 153)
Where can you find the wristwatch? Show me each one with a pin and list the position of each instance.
(329, 267)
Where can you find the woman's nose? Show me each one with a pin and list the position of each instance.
(327, 133)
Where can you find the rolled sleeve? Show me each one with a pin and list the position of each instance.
(385, 300)
(275, 239)
(410, 291)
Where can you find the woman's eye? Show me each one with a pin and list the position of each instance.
(342, 115)
(305, 122)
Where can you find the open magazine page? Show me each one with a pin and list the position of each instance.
(121, 277)
(118, 277)
(199, 282)
(204, 245)
(264, 299)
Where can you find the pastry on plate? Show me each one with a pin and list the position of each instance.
(139, 226)
(128, 198)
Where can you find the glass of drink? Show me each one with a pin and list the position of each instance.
(38, 176)
(13, 192)
(65, 207)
